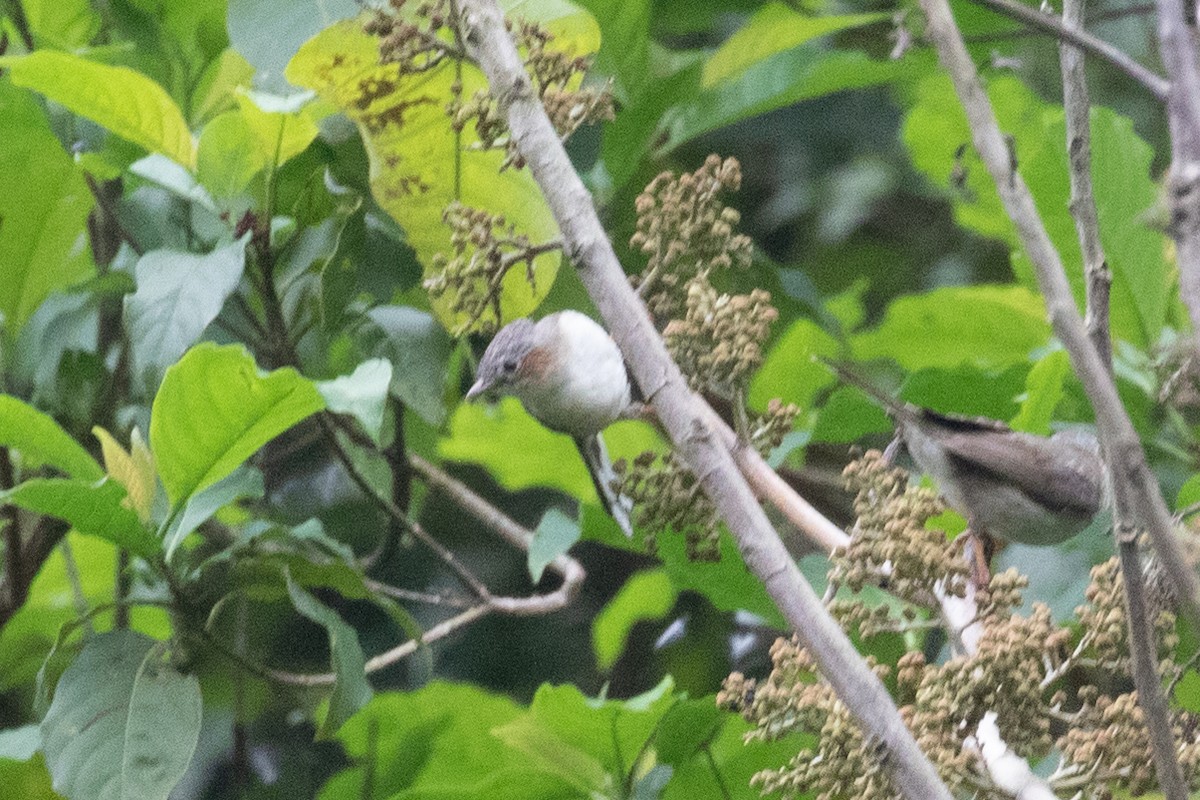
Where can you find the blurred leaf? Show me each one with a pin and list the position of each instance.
(1043, 391)
(125, 102)
(245, 481)
(784, 79)
(847, 416)
(967, 389)
(790, 371)
(178, 295)
(65, 321)
(728, 584)
(281, 125)
(61, 24)
(124, 723)
(1189, 493)
(228, 156)
(95, 509)
(414, 173)
(689, 726)
(734, 760)
(42, 441)
(624, 43)
(268, 39)
(44, 204)
(988, 326)
(217, 86)
(1121, 169)
(28, 780)
(214, 410)
(419, 349)
(775, 27)
(555, 534)
(351, 690)
(646, 595)
(429, 744)
(19, 744)
(581, 770)
(362, 394)
(158, 169)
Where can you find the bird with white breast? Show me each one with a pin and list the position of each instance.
(570, 376)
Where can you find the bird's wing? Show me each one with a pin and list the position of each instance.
(600, 467)
(1039, 467)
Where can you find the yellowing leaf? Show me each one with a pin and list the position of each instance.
(418, 163)
(133, 470)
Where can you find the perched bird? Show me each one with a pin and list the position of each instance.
(1016, 486)
(569, 374)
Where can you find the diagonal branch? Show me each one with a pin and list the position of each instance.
(681, 411)
(1135, 491)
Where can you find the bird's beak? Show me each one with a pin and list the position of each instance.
(477, 389)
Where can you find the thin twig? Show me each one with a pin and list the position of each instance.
(663, 385)
(1156, 85)
(1097, 275)
(1135, 491)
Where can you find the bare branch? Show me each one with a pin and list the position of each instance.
(680, 411)
(1154, 84)
(1136, 493)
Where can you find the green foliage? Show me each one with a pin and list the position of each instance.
(123, 720)
(91, 508)
(214, 410)
(646, 595)
(42, 441)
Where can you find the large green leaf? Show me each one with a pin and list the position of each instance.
(44, 204)
(1142, 278)
(178, 295)
(228, 155)
(772, 29)
(124, 723)
(362, 394)
(62, 24)
(43, 441)
(126, 102)
(992, 326)
(95, 509)
(215, 409)
(420, 165)
(351, 690)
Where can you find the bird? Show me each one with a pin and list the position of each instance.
(1016, 486)
(571, 377)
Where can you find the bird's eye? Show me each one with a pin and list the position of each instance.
(510, 366)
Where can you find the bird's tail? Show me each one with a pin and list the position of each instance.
(599, 465)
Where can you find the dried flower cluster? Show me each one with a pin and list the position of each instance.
(667, 497)
(718, 342)
(687, 232)
(486, 247)
(1052, 688)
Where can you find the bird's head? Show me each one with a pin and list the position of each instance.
(509, 361)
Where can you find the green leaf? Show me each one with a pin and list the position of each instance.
(847, 416)
(772, 29)
(555, 534)
(520, 453)
(1044, 388)
(363, 394)
(689, 726)
(269, 39)
(61, 24)
(215, 409)
(784, 79)
(1121, 174)
(728, 583)
(245, 481)
(790, 371)
(647, 595)
(19, 744)
(420, 165)
(27, 780)
(351, 690)
(44, 204)
(624, 43)
(581, 770)
(95, 509)
(178, 295)
(281, 125)
(41, 440)
(126, 102)
(419, 349)
(432, 743)
(228, 156)
(124, 723)
(988, 326)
